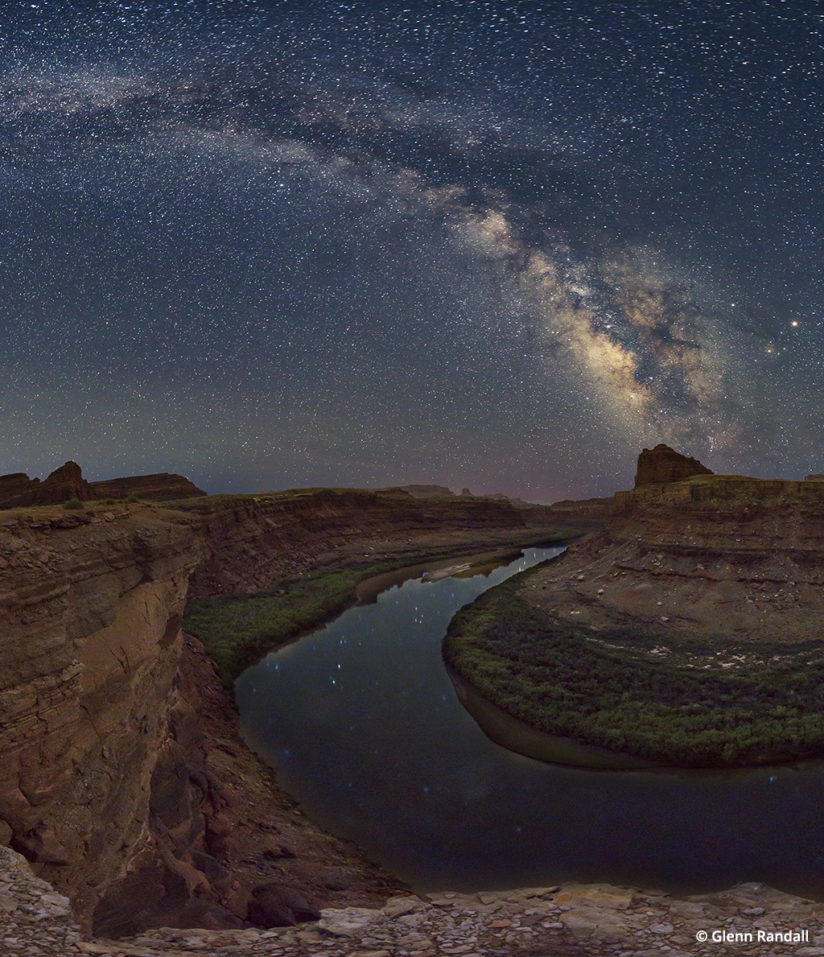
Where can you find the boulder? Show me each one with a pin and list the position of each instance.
(274, 905)
(663, 464)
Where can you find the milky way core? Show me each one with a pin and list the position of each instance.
(499, 245)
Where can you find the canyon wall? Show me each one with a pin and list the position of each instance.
(254, 540)
(89, 647)
(119, 757)
(710, 555)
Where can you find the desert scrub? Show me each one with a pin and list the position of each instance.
(558, 678)
(237, 631)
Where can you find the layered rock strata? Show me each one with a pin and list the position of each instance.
(254, 540)
(663, 464)
(717, 577)
(90, 643)
(17, 490)
(121, 775)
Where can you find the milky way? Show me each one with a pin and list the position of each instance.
(495, 245)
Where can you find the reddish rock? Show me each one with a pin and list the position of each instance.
(17, 489)
(663, 464)
(63, 484)
(160, 486)
(275, 905)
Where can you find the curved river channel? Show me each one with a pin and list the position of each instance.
(365, 730)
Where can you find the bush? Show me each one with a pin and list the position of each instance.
(608, 692)
(73, 503)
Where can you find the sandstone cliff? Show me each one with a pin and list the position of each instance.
(122, 778)
(253, 540)
(712, 554)
(663, 464)
(17, 490)
(67, 482)
(89, 619)
(158, 487)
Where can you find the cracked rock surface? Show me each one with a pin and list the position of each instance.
(573, 920)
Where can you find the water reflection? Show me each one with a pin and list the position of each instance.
(365, 730)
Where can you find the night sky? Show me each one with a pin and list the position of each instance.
(499, 245)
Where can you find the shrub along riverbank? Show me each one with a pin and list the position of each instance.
(238, 630)
(682, 709)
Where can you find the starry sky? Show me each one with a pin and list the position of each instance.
(500, 245)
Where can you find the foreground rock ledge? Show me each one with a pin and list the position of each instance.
(576, 920)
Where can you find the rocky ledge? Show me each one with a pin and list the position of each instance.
(574, 920)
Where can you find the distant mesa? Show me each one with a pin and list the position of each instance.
(160, 486)
(814, 478)
(17, 490)
(422, 491)
(663, 464)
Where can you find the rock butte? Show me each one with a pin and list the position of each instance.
(663, 464)
(17, 490)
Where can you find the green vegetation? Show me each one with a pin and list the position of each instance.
(236, 631)
(684, 710)
(73, 504)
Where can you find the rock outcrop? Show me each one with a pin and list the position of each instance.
(67, 482)
(90, 623)
(422, 491)
(17, 490)
(159, 487)
(63, 484)
(572, 920)
(663, 464)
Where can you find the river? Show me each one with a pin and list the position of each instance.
(365, 730)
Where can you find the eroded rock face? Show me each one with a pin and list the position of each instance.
(17, 490)
(161, 486)
(663, 464)
(122, 776)
(731, 555)
(89, 646)
(63, 484)
(262, 539)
